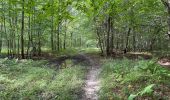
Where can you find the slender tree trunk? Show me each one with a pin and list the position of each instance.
(117, 41)
(167, 5)
(18, 47)
(71, 40)
(22, 31)
(112, 35)
(39, 43)
(52, 27)
(5, 31)
(134, 41)
(65, 36)
(127, 40)
(29, 35)
(1, 37)
(14, 36)
(58, 37)
(108, 37)
(53, 47)
(58, 27)
(100, 42)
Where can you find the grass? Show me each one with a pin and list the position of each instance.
(34, 80)
(90, 50)
(128, 79)
(75, 51)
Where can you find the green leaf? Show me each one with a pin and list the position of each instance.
(147, 89)
(132, 97)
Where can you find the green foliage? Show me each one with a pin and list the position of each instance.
(27, 79)
(132, 97)
(65, 24)
(128, 79)
(146, 90)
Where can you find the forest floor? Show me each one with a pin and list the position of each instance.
(92, 63)
(92, 82)
(85, 76)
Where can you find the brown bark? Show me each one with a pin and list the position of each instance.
(108, 37)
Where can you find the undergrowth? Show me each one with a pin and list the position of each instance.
(34, 80)
(134, 80)
(75, 51)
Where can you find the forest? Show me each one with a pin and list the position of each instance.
(84, 49)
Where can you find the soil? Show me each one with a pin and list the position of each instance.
(92, 82)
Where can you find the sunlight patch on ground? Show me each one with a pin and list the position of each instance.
(141, 53)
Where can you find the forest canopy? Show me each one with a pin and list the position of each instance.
(30, 26)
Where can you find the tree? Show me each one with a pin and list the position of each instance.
(22, 31)
(167, 5)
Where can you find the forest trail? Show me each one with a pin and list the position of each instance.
(92, 82)
(92, 63)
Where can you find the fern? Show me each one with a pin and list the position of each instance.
(132, 97)
(146, 90)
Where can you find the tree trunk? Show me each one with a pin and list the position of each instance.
(29, 40)
(108, 37)
(71, 40)
(134, 41)
(1, 37)
(100, 42)
(52, 25)
(127, 41)
(112, 35)
(167, 5)
(39, 43)
(58, 38)
(22, 32)
(65, 36)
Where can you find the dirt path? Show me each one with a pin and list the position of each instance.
(92, 82)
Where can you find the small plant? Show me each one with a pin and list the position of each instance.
(67, 63)
(146, 90)
(148, 66)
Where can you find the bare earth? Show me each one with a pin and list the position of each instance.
(92, 82)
